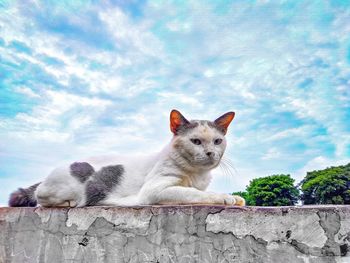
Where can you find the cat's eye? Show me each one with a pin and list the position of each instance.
(196, 141)
(217, 141)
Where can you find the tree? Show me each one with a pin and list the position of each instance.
(274, 190)
(328, 186)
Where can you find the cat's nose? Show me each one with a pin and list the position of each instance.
(210, 154)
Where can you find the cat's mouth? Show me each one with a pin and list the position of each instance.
(207, 162)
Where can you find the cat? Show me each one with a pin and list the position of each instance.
(179, 174)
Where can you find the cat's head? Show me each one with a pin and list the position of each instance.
(200, 143)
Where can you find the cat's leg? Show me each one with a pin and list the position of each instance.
(62, 197)
(190, 195)
(239, 200)
(65, 186)
(101, 189)
(131, 200)
(166, 191)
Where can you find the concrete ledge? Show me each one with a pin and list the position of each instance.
(176, 234)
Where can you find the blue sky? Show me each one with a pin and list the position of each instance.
(82, 78)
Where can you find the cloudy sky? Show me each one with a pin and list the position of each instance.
(82, 78)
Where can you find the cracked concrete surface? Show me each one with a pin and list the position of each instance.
(312, 234)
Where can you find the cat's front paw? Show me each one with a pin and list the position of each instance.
(223, 199)
(239, 200)
(227, 199)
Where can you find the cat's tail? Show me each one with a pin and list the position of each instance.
(23, 197)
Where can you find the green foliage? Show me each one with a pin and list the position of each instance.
(328, 186)
(274, 190)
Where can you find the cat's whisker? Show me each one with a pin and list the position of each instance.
(230, 163)
(227, 160)
(223, 170)
(228, 167)
(230, 172)
(226, 173)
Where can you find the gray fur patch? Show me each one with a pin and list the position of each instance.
(82, 171)
(103, 183)
(215, 126)
(187, 127)
(195, 123)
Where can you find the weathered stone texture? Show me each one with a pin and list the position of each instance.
(176, 234)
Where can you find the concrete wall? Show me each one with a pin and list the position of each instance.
(176, 234)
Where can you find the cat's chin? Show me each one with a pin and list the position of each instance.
(209, 165)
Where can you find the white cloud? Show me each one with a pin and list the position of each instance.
(299, 132)
(184, 99)
(56, 104)
(26, 91)
(271, 154)
(136, 37)
(179, 26)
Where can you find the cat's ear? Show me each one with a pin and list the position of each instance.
(176, 121)
(224, 121)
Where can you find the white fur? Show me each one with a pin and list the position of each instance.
(162, 178)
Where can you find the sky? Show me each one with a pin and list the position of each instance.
(84, 78)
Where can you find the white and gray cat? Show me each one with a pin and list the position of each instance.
(179, 174)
